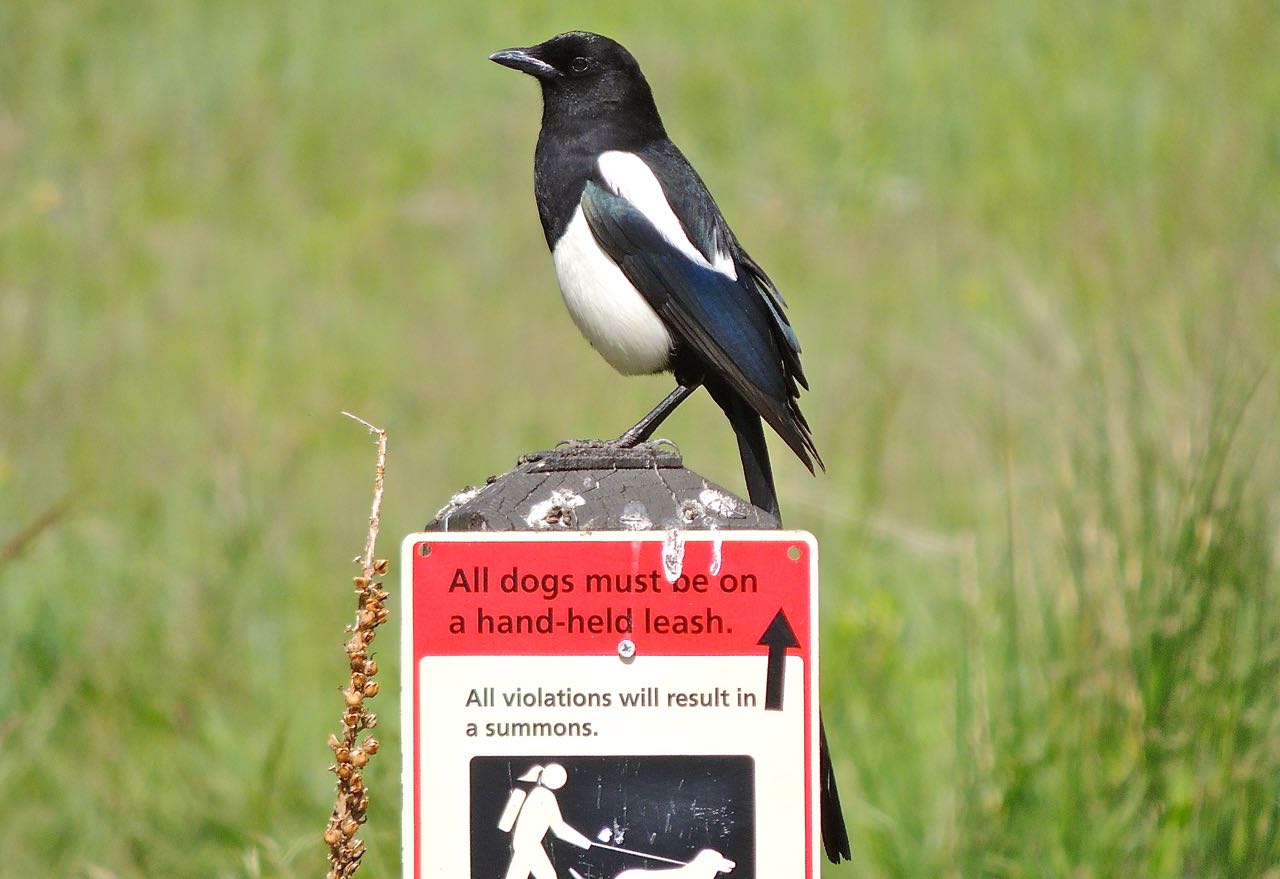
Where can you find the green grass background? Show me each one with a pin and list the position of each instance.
(1032, 250)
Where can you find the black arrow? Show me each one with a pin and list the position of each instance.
(779, 636)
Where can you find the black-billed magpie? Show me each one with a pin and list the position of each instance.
(651, 272)
(653, 276)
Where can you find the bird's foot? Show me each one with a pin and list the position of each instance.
(629, 440)
(606, 454)
(625, 442)
(656, 444)
(588, 445)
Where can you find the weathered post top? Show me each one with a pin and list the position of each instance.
(596, 487)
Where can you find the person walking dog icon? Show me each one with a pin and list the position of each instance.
(532, 815)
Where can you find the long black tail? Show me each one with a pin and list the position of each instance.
(835, 836)
(759, 475)
(749, 430)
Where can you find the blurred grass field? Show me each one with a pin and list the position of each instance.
(1032, 251)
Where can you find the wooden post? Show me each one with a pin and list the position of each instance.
(584, 487)
(595, 487)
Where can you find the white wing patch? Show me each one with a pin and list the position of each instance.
(629, 177)
(611, 313)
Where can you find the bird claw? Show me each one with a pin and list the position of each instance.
(623, 442)
(663, 441)
(586, 444)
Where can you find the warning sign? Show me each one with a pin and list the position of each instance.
(612, 705)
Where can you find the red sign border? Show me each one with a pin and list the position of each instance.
(409, 686)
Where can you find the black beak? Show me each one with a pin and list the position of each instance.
(522, 60)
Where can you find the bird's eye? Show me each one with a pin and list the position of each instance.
(579, 65)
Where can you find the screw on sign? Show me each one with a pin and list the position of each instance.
(575, 704)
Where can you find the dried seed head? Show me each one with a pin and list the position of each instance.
(359, 758)
(332, 837)
(371, 689)
(371, 667)
(353, 697)
(358, 680)
(342, 754)
(334, 742)
(349, 827)
(368, 617)
(357, 782)
(371, 745)
(344, 771)
(370, 720)
(362, 583)
(381, 566)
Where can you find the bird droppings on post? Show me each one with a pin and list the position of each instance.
(717, 553)
(673, 555)
(691, 511)
(459, 500)
(634, 517)
(645, 488)
(557, 511)
(719, 503)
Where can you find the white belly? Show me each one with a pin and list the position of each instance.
(609, 311)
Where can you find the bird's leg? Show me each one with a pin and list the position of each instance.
(645, 427)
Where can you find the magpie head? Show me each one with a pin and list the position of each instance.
(583, 72)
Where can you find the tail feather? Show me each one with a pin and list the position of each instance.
(835, 836)
(749, 430)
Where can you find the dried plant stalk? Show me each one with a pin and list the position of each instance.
(351, 808)
(15, 545)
